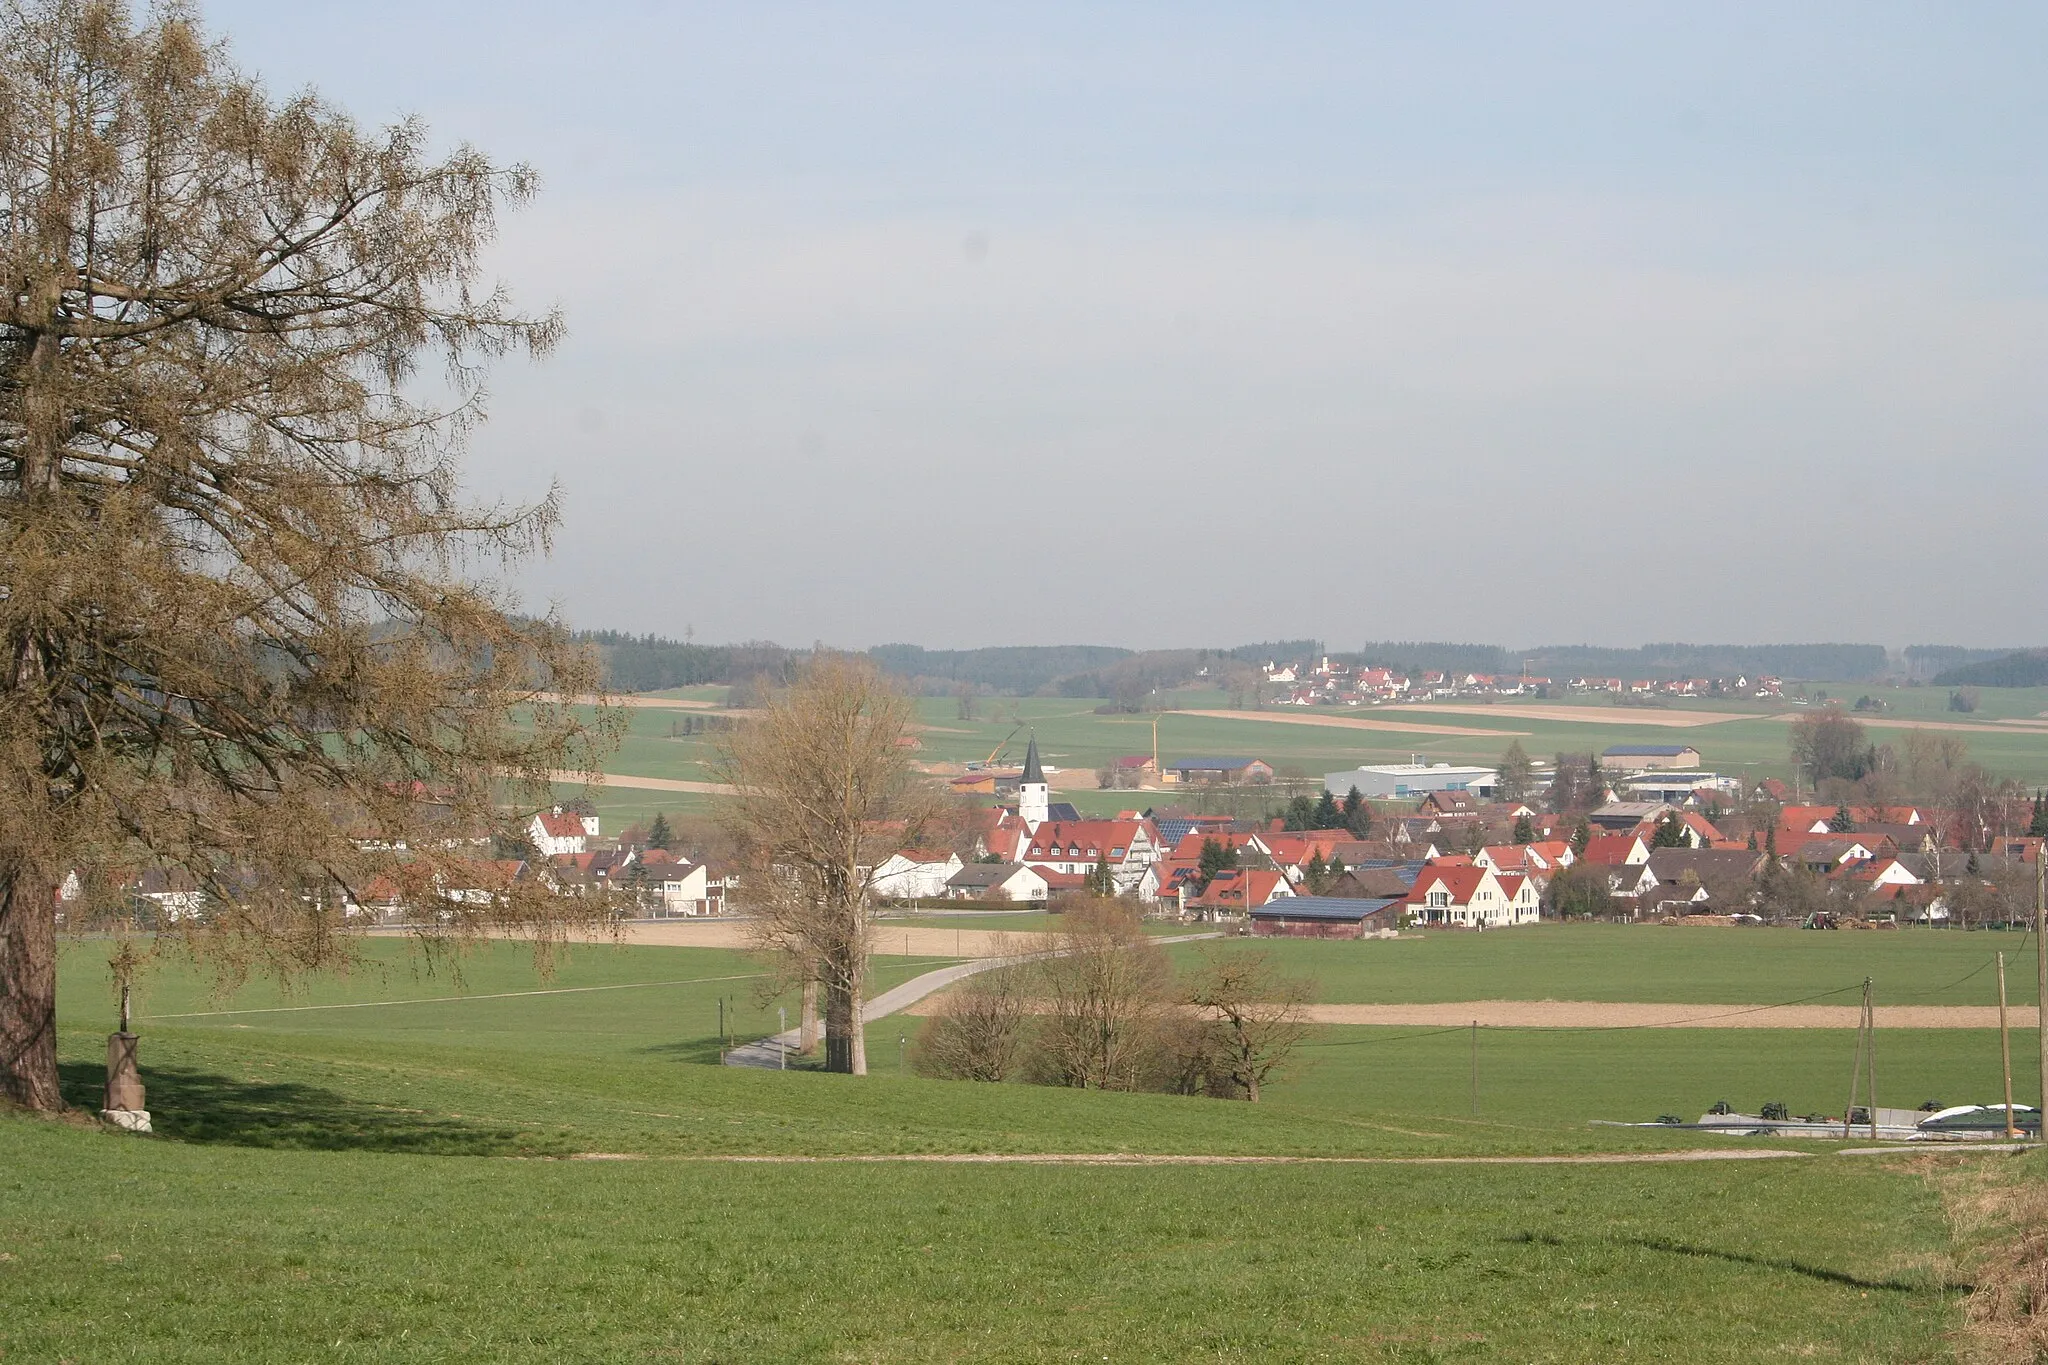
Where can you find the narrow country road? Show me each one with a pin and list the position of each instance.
(769, 1052)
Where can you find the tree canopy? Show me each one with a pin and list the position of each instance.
(246, 634)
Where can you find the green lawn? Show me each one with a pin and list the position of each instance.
(338, 1177)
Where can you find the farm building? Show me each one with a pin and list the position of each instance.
(1325, 917)
(1216, 771)
(1643, 757)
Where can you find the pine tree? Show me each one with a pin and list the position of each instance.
(1670, 832)
(1842, 822)
(1581, 836)
(1101, 881)
(1752, 841)
(1216, 857)
(659, 835)
(1315, 874)
(2039, 827)
(1357, 814)
(1596, 782)
(1525, 829)
(1327, 815)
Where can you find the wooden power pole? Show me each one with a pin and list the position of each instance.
(2005, 1047)
(2041, 982)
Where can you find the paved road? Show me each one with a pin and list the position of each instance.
(768, 1052)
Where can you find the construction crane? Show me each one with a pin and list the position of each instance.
(997, 752)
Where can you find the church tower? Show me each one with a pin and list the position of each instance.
(1034, 797)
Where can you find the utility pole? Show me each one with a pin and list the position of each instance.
(2041, 983)
(2005, 1047)
(1865, 1048)
(1475, 1068)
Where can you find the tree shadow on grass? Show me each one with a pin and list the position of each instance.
(206, 1107)
(1812, 1272)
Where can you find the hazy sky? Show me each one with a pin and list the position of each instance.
(1194, 324)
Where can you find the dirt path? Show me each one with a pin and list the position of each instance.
(1655, 717)
(1596, 1014)
(889, 940)
(652, 784)
(628, 699)
(1144, 1159)
(1345, 721)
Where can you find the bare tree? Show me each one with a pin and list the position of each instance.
(823, 793)
(1256, 1012)
(1105, 990)
(239, 629)
(979, 1029)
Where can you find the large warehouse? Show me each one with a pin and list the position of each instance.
(1410, 779)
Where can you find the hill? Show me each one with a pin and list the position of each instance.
(2027, 668)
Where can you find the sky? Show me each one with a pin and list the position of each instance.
(1192, 324)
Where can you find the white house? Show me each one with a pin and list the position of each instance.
(997, 882)
(557, 832)
(682, 888)
(914, 874)
(1470, 897)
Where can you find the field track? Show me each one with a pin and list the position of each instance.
(1139, 1159)
(1596, 1014)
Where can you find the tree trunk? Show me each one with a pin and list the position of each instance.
(807, 1026)
(839, 1028)
(28, 992)
(859, 1038)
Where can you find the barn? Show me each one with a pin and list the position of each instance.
(1325, 917)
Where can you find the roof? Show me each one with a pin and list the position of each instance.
(1461, 881)
(1334, 909)
(1093, 837)
(1609, 850)
(1647, 750)
(561, 825)
(1032, 772)
(1221, 765)
(986, 874)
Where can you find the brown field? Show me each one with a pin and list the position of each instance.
(1350, 722)
(652, 784)
(628, 699)
(1585, 715)
(889, 941)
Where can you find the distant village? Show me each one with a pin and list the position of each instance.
(1636, 832)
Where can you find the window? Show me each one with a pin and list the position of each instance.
(1116, 853)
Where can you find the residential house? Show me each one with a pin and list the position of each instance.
(997, 882)
(1074, 847)
(914, 874)
(556, 832)
(1472, 897)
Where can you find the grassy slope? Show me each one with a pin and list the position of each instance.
(336, 1176)
(137, 1251)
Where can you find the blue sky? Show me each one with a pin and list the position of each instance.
(1186, 324)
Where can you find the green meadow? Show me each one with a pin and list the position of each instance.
(376, 1167)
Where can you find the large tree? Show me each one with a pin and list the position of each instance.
(823, 792)
(1517, 775)
(1826, 744)
(242, 633)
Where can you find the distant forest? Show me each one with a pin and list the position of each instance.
(649, 663)
(2024, 668)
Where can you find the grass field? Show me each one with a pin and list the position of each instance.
(1652, 962)
(358, 1172)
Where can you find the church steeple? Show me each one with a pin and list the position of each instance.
(1034, 796)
